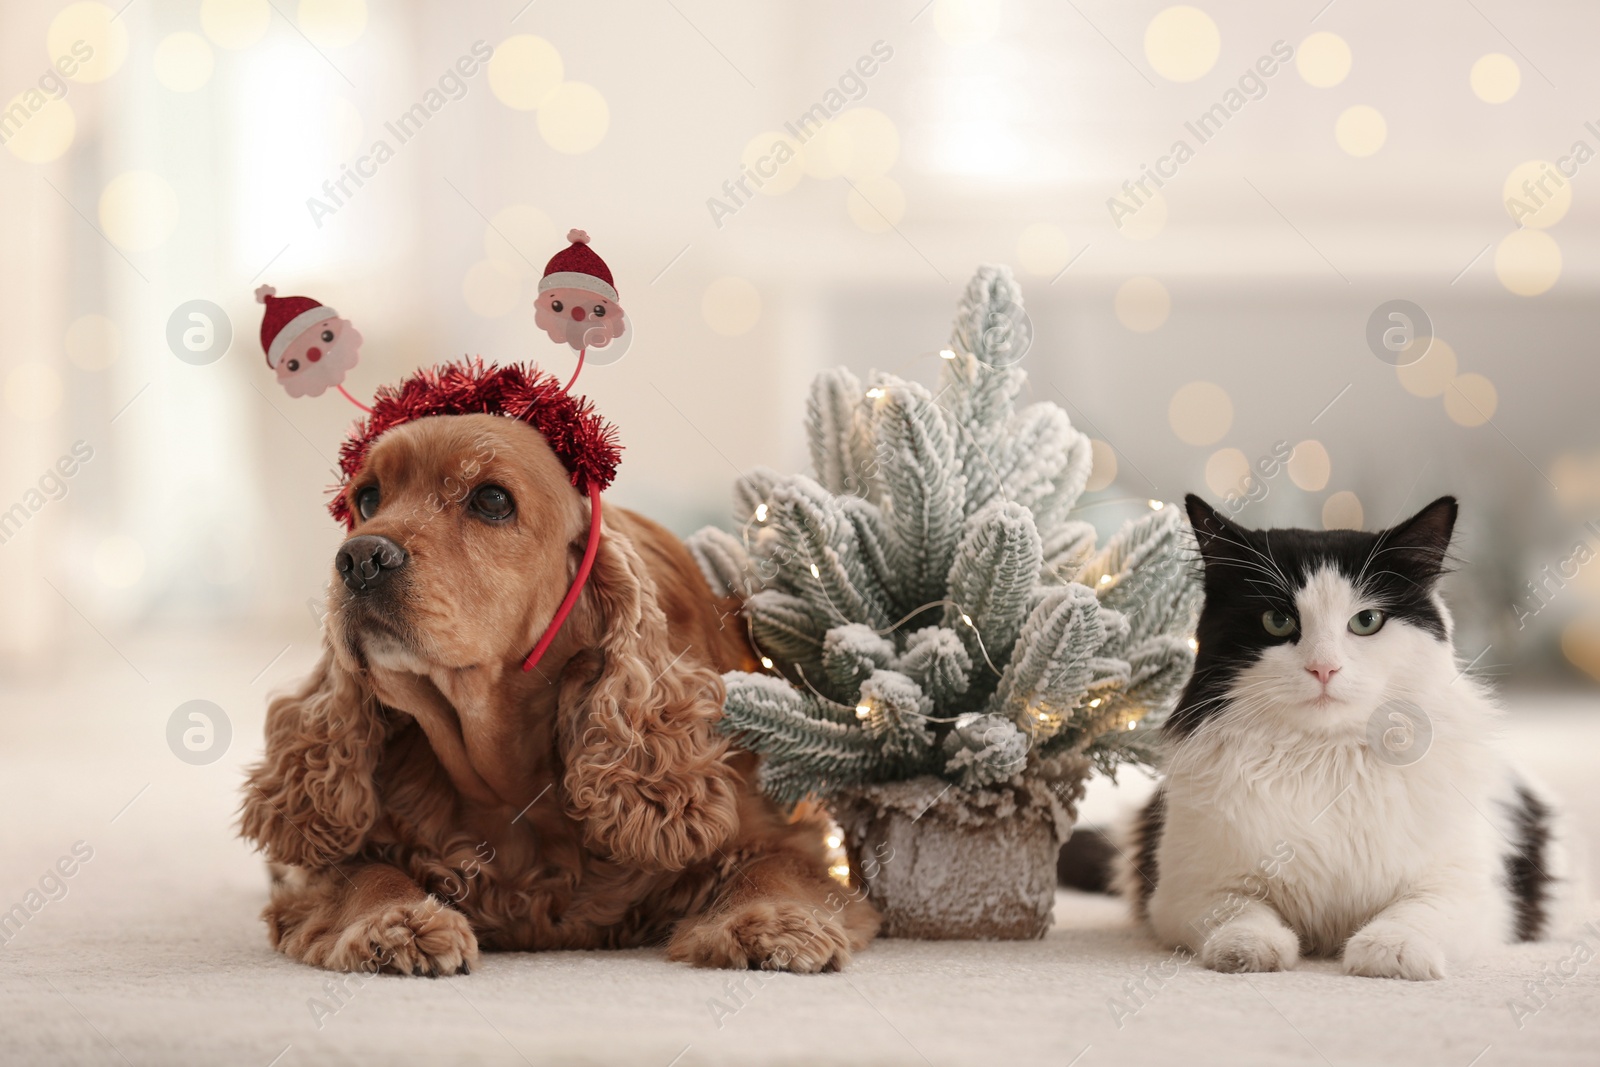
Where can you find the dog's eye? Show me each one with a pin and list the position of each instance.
(367, 501)
(493, 503)
(599, 311)
(555, 305)
(327, 337)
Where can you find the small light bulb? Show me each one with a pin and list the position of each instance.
(766, 661)
(1194, 646)
(814, 572)
(834, 840)
(874, 393)
(1105, 579)
(1132, 723)
(862, 711)
(761, 513)
(1157, 505)
(1095, 703)
(945, 353)
(840, 872)
(967, 619)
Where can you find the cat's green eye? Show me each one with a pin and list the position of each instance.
(1278, 623)
(1366, 623)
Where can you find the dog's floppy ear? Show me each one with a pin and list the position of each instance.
(311, 800)
(646, 770)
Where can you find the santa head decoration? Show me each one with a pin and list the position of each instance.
(307, 344)
(578, 303)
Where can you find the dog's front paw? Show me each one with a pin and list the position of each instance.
(764, 935)
(1391, 950)
(421, 938)
(1244, 948)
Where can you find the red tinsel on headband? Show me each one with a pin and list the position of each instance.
(583, 441)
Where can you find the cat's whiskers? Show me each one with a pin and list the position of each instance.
(1271, 559)
(1267, 565)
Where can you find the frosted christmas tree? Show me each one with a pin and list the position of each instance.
(942, 636)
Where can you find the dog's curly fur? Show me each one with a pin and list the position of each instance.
(421, 797)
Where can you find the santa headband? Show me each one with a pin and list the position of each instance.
(287, 317)
(583, 441)
(578, 267)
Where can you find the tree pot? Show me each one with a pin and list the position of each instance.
(945, 863)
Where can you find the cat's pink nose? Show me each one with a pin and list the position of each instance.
(1324, 674)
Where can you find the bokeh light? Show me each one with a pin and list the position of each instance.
(1323, 59)
(1226, 471)
(966, 22)
(333, 23)
(1528, 262)
(97, 26)
(138, 210)
(1361, 130)
(1142, 304)
(1200, 413)
(1471, 400)
(1580, 643)
(45, 134)
(775, 159)
(1536, 194)
(862, 143)
(1495, 78)
(1182, 43)
(1103, 466)
(1310, 466)
(1432, 374)
(235, 24)
(574, 118)
(1342, 511)
(524, 71)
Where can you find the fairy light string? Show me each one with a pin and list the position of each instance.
(1038, 716)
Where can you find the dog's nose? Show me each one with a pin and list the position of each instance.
(363, 562)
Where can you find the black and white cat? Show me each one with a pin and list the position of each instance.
(1331, 781)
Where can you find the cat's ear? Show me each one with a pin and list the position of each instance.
(1420, 543)
(1215, 535)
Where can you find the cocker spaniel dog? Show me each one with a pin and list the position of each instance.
(423, 798)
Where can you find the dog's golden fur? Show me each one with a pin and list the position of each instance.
(421, 797)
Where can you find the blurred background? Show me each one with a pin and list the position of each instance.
(1321, 261)
(1208, 209)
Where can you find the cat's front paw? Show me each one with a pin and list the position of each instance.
(1390, 950)
(1244, 948)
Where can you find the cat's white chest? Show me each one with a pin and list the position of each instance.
(1327, 834)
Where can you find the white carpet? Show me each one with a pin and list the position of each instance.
(155, 954)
